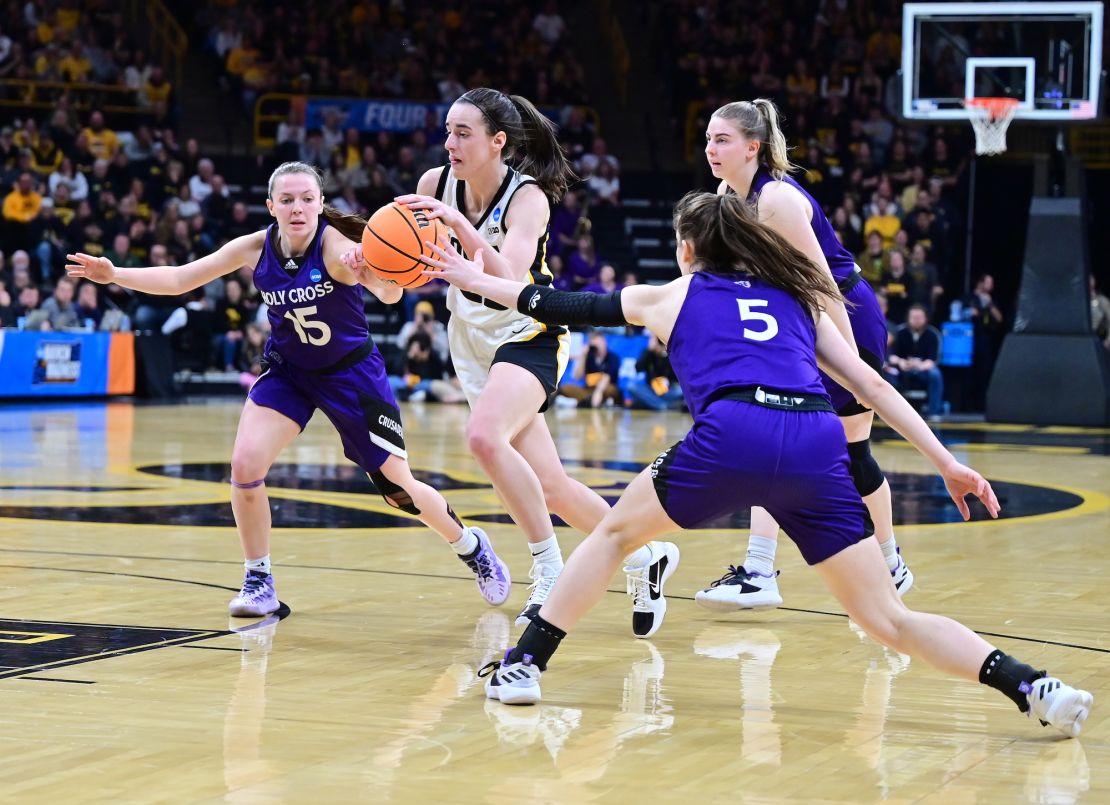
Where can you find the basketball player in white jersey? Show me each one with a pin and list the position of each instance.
(510, 364)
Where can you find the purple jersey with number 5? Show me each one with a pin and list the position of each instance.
(734, 332)
(315, 320)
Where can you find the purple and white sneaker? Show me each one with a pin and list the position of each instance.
(257, 598)
(490, 572)
(739, 589)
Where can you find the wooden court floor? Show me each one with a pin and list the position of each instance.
(122, 679)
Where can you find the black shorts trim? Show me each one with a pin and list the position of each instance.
(660, 473)
(384, 423)
(540, 356)
(855, 406)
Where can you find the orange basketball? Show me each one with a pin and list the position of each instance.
(393, 243)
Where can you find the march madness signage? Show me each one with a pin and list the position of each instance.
(57, 362)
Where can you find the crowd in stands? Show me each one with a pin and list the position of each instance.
(393, 50)
(72, 182)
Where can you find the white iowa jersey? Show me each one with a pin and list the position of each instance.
(469, 307)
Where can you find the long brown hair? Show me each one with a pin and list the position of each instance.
(529, 136)
(759, 120)
(727, 238)
(349, 226)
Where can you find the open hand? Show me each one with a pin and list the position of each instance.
(97, 269)
(433, 208)
(962, 481)
(449, 265)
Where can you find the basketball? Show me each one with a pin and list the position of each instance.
(393, 244)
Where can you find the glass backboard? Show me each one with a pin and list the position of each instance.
(1048, 56)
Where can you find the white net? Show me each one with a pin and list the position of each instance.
(990, 117)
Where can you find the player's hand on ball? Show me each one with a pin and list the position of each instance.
(433, 208)
(97, 269)
(962, 481)
(353, 258)
(449, 265)
(355, 261)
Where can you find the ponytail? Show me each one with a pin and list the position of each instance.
(727, 238)
(759, 120)
(543, 156)
(349, 226)
(529, 136)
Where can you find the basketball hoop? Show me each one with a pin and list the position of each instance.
(990, 117)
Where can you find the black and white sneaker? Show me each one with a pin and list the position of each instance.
(739, 589)
(512, 683)
(1058, 705)
(645, 588)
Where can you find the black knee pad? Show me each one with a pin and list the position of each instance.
(394, 495)
(866, 474)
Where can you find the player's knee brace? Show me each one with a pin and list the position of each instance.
(394, 495)
(866, 474)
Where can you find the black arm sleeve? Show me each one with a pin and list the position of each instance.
(547, 305)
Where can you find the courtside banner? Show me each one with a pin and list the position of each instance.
(394, 116)
(383, 115)
(65, 364)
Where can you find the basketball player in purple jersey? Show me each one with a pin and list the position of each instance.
(746, 150)
(745, 329)
(319, 356)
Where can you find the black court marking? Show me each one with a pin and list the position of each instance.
(917, 499)
(55, 679)
(285, 513)
(307, 477)
(952, 436)
(284, 610)
(34, 488)
(32, 645)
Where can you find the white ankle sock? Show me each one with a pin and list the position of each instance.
(639, 558)
(466, 544)
(261, 564)
(890, 553)
(761, 555)
(547, 552)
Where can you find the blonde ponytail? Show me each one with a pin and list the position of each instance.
(759, 120)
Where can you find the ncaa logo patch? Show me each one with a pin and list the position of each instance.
(315, 275)
(496, 215)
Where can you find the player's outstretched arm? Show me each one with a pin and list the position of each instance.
(169, 280)
(654, 307)
(844, 365)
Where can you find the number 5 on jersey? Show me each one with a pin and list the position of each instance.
(747, 314)
(303, 324)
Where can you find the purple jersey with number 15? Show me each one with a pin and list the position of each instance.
(315, 320)
(735, 332)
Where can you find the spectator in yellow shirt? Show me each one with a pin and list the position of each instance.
(884, 221)
(157, 89)
(48, 66)
(21, 207)
(240, 58)
(75, 66)
(103, 142)
(46, 156)
(23, 204)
